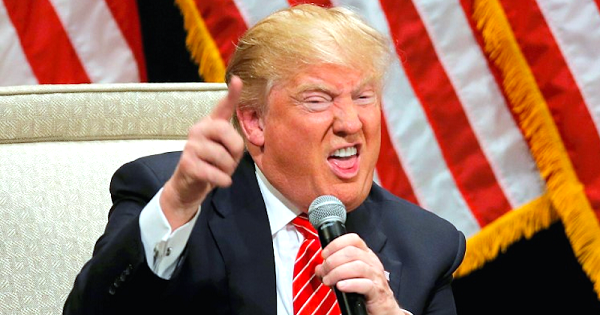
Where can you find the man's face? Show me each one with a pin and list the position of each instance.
(322, 135)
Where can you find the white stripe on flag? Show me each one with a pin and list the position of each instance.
(253, 11)
(499, 137)
(98, 40)
(14, 66)
(420, 154)
(576, 27)
(413, 138)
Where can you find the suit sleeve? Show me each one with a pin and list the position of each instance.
(117, 278)
(442, 298)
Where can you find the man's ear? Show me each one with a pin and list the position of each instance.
(252, 125)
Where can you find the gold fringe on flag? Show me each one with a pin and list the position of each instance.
(201, 44)
(497, 236)
(565, 191)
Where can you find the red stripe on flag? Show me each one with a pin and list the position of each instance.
(45, 42)
(460, 148)
(323, 3)
(125, 13)
(225, 24)
(560, 90)
(390, 171)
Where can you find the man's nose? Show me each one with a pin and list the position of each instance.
(346, 117)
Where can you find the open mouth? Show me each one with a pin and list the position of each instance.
(344, 161)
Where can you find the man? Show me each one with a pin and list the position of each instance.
(211, 230)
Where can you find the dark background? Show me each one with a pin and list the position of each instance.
(536, 276)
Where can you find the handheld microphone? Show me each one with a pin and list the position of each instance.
(327, 214)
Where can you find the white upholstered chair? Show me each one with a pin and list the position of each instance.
(59, 146)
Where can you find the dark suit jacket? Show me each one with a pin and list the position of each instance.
(228, 265)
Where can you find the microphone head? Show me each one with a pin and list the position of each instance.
(324, 209)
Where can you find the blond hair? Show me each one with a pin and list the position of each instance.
(288, 41)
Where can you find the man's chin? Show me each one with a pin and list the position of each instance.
(352, 199)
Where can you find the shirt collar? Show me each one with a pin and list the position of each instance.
(279, 209)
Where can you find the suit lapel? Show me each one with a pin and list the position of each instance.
(364, 222)
(241, 229)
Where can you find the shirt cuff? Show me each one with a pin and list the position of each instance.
(162, 246)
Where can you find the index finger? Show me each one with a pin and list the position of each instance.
(350, 239)
(226, 106)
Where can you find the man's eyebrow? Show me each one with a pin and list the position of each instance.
(366, 82)
(304, 87)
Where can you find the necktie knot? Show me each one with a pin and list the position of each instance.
(304, 227)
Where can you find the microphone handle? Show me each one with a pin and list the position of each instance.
(350, 303)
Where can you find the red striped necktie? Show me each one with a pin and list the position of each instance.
(311, 296)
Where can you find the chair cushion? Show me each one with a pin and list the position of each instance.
(59, 146)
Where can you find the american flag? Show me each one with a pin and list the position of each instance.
(62, 41)
(491, 109)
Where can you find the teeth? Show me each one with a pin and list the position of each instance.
(344, 152)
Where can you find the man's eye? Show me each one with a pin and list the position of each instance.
(365, 99)
(317, 106)
(317, 103)
(316, 100)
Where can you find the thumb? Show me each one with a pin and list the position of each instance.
(226, 106)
